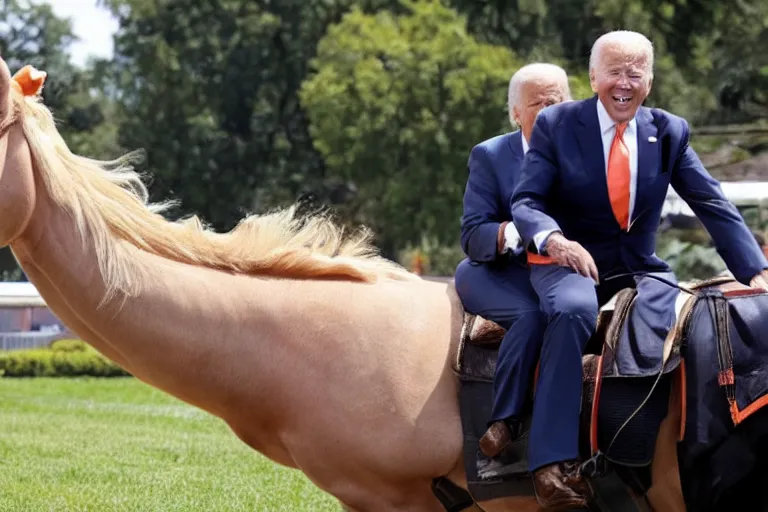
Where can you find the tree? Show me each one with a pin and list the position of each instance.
(30, 33)
(395, 105)
(209, 91)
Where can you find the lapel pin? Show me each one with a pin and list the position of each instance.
(651, 139)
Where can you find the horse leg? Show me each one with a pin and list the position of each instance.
(666, 493)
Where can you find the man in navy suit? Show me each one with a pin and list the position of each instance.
(587, 205)
(493, 281)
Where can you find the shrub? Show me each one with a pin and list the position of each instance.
(65, 345)
(64, 358)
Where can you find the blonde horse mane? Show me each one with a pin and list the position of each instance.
(110, 205)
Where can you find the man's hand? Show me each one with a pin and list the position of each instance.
(760, 280)
(571, 254)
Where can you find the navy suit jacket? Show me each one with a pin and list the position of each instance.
(563, 186)
(494, 169)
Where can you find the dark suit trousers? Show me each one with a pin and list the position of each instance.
(502, 292)
(570, 302)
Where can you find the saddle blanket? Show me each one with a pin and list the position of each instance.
(725, 351)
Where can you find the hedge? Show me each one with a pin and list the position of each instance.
(63, 358)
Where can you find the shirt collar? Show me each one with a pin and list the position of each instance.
(606, 123)
(525, 143)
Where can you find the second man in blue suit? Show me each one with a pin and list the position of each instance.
(493, 281)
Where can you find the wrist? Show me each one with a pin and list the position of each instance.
(500, 237)
(553, 241)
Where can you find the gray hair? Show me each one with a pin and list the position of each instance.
(533, 73)
(634, 41)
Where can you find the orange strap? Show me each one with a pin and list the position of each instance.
(538, 259)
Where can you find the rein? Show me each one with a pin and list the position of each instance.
(6, 125)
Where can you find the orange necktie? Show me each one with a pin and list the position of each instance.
(618, 177)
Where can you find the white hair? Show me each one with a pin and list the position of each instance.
(633, 41)
(535, 72)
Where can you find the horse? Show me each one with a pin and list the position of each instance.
(315, 351)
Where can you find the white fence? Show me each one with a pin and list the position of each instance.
(26, 340)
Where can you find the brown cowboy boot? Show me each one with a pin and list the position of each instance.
(500, 435)
(559, 486)
(495, 439)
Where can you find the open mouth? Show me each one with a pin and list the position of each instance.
(622, 99)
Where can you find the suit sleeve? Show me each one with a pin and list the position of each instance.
(537, 179)
(733, 239)
(480, 222)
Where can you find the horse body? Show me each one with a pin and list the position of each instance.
(350, 382)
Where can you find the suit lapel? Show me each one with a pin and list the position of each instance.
(648, 158)
(591, 143)
(515, 141)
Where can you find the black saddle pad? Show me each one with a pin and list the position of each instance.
(636, 405)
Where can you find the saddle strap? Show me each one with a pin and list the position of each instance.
(720, 317)
(624, 301)
(452, 497)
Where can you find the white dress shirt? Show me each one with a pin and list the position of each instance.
(607, 132)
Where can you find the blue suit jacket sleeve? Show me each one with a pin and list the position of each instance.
(733, 239)
(480, 222)
(538, 173)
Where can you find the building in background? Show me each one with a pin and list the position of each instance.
(750, 197)
(25, 319)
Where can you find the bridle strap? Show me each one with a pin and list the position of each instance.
(8, 123)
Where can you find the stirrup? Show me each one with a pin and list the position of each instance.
(594, 466)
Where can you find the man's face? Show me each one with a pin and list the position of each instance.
(534, 96)
(622, 81)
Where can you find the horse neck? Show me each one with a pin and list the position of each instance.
(188, 334)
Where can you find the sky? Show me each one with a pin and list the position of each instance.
(93, 25)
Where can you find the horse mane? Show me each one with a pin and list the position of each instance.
(110, 205)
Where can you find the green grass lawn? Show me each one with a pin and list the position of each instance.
(120, 445)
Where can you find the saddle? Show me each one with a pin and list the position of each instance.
(620, 415)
